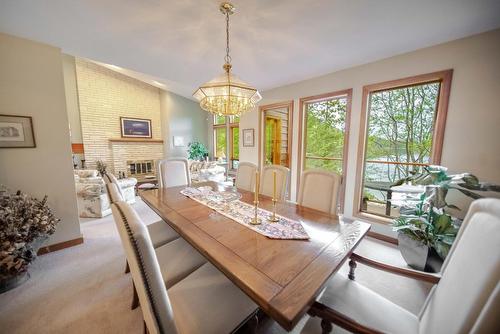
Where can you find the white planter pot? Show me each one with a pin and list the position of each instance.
(414, 252)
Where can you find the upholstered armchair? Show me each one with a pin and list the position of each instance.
(202, 171)
(93, 202)
(464, 299)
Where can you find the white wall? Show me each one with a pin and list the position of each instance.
(69, 71)
(472, 136)
(31, 84)
(182, 117)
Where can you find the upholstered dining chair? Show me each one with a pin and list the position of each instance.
(245, 176)
(465, 298)
(203, 302)
(174, 172)
(266, 182)
(319, 190)
(160, 232)
(177, 259)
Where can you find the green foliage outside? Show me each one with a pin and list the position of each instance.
(220, 142)
(236, 143)
(325, 134)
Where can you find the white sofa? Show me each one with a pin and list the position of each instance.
(91, 193)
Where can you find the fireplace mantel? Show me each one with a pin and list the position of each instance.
(136, 140)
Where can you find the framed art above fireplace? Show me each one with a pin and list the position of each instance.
(135, 127)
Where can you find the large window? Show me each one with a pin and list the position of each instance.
(403, 132)
(325, 124)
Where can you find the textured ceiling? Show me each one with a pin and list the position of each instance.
(273, 42)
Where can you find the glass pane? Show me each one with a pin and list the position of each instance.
(219, 120)
(399, 141)
(325, 129)
(235, 119)
(276, 144)
(220, 142)
(235, 143)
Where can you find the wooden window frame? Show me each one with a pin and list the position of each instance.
(444, 77)
(262, 109)
(303, 132)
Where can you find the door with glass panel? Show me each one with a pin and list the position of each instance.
(325, 129)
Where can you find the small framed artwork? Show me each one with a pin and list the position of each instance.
(16, 132)
(248, 138)
(135, 127)
(179, 141)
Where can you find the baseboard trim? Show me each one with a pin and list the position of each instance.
(382, 237)
(59, 246)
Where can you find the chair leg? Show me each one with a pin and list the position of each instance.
(352, 267)
(127, 267)
(135, 298)
(145, 327)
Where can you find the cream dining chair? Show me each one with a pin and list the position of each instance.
(203, 302)
(160, 232)
(266, 181)
(319, 190)
(465, 299)
(174, 172)
(177, 258)
(245, 176)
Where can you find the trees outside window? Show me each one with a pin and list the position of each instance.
(403, 124)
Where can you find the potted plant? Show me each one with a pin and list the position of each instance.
(26, 223)
(425, 225)
(101, 167)
(197, 151)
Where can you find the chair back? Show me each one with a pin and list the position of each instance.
(266, 182)
(319, 190)
(174, 172)
(245, 176)
(146, 274)
(110, 178)
(113, 193)
(466, 299)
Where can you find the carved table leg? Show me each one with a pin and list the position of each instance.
(352, 267)
(135, 298)
(326, 326)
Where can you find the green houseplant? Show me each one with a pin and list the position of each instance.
(425, 221)
(26, 223)
(197, 151)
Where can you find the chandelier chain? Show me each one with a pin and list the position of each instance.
(227, 58)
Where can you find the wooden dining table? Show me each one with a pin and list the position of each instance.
(284, 277)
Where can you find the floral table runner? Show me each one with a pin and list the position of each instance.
(243, 213)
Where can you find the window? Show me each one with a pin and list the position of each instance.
(221, 142)
(403, 132)
(325, 125)
(277, 135)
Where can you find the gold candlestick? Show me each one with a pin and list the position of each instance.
(255, 220)
(273, 218)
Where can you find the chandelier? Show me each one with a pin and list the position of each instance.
(227, 95)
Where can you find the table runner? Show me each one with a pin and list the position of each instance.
(243, 213)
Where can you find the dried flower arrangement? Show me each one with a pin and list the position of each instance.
(25, 222)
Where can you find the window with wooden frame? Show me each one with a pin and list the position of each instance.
(402, 131)
(323, 134)
(275, 146)
(222, 141)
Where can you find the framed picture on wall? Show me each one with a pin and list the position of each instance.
(179, 141)
(248, 138)
(16, 132)
(135, 127)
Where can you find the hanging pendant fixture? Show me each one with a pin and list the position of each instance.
(227, 95)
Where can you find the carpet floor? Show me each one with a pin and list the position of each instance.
(83, 289)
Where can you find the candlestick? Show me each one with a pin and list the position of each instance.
(274, 183)
(257, 181)
(273, 218)
(255, 220)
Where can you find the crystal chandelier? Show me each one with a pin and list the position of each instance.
(227, 95)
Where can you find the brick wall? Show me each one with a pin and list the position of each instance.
(104, 97)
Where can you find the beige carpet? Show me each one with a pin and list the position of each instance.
(83, 289)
